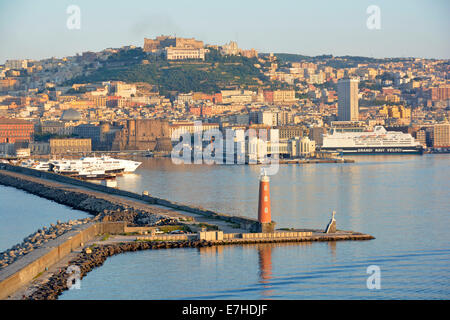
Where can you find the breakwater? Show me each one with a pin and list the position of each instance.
(88, 261)
(106, 208)
(244, 222)
(97, 255)
(108, 204)
(103, 207)
(23, 270)
(38, 239)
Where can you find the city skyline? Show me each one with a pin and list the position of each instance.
(290, 27)
(235, 151)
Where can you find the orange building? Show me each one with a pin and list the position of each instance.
(268, 96)
(8, 84)
(15, 130)
(440, 93)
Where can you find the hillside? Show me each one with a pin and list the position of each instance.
(215, 73)
(335, 61)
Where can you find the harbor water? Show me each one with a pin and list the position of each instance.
(402, 200)
(22, 214)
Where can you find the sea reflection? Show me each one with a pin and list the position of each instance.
(265, 268)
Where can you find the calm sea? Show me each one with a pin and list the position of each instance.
(22, 213)
(403, 201)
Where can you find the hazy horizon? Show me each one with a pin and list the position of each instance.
(37, 29)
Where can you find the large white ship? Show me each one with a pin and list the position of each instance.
(107, 164)
(377, 141)
(87, 167)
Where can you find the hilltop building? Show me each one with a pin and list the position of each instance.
(173, 48)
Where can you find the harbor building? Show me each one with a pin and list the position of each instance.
(61, 146)
(301, 147)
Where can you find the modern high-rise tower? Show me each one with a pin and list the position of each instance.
(348, 109)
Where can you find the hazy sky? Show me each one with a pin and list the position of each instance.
(37, 29)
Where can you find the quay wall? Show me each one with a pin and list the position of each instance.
(244, 222)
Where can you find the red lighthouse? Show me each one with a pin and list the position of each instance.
(264, 215)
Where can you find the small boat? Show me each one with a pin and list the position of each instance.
(149, 154)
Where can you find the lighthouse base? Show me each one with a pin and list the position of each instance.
(266, 227)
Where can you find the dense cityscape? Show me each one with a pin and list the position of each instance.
(90, 102)
(232, 158)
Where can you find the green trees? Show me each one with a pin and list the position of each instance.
(208, 76)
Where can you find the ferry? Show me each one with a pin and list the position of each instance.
(41, 166)
(85, 167)
(378, 141)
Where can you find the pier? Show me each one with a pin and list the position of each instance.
(129, 220)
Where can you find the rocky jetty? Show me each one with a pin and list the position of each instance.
(95, 257)
(89, 202)
(102, 209)
(38, 239)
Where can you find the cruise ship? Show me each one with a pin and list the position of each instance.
(377, 141)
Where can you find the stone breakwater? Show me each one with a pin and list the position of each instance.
(103, 209)
(246, 223)
(38, 239)
(58, 282)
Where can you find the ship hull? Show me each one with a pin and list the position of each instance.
(376, 150)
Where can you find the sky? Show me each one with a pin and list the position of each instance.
(37, 29)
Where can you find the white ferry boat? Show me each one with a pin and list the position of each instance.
(107, 164)
(377, 141)
(38, 165)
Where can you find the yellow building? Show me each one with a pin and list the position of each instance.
(61, 146)
(441, 135)
(283, 96)
(399, 112)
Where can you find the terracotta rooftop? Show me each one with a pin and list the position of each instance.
(13, 121)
